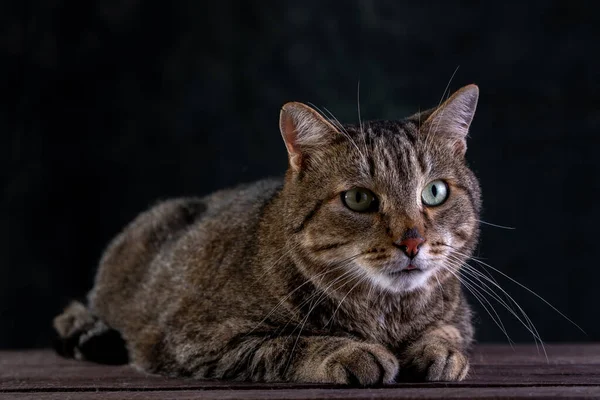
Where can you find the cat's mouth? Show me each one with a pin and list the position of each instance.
(409, 269)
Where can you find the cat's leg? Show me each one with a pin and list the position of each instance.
(85, 337)
(321, 359)
(438, 355)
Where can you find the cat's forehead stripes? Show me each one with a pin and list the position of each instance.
(393, 160)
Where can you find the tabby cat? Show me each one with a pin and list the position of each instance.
(343, 272)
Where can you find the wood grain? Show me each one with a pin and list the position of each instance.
(571, 371)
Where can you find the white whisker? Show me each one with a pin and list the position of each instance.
(340, 128)
(441, 291)
(481, 298)
(466, 268)
(360, 124)
(362, 277)
(317, 302)
(532, 292)
(528, 324)
(521, 285)
(447, 89)
(495, 225)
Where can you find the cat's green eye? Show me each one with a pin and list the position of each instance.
(359, 199)
(435, 193)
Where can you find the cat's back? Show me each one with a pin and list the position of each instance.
(177, 242)
(241, 202)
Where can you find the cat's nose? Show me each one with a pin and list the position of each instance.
(410, 242)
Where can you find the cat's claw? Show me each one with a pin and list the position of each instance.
(437, 362)
(360, 364)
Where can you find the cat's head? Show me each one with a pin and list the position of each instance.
(390, 202)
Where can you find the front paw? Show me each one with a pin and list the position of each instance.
(436, 362)
(360, 364)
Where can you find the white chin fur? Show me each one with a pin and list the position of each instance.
(406, 282)
(403, 283)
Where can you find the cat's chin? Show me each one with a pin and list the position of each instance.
(403, 281)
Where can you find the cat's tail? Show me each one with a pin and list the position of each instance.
(83, 336)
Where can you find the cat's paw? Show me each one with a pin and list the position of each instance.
(360, 364)
(436, 362)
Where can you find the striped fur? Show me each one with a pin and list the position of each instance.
(279, 281)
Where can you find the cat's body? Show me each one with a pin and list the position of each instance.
(263, 282)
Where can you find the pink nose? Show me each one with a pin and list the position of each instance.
(410, 242)
(410, 247)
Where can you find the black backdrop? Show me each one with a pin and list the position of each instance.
(108, 106)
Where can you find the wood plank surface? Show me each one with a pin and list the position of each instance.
(497, 371)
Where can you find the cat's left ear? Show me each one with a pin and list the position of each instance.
(304, 132)
(451, 121)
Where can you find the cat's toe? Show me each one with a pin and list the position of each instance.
(438, 362)
(447, 365)
(361, 364)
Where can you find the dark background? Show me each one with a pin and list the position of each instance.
(108, 106)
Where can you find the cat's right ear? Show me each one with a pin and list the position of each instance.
(303, 130)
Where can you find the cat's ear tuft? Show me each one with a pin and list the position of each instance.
(451, 120)
(303, 129)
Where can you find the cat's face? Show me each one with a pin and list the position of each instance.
(389, 203)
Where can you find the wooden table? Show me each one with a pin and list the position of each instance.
(497, 371)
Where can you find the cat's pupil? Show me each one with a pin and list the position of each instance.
(434, 190)
(358, 197)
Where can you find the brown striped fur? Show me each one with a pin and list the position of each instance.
(279, 281)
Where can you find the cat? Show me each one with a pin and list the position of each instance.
(343, 272)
